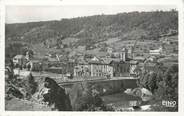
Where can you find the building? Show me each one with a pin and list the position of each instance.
(34, 65)
(110, 50)
(124, 54)
(57, 70)
(133, 67)
(29, 55)
(100, 69)
(19, 60)
(93, 68)
(82, 69)
(156, 52)
(120, 68)
(124, 66)
(151, 59)
(139, 58)
(68, 67)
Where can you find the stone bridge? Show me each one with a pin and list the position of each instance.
(107, 86)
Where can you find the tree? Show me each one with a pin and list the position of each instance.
(168, 87)
(85, 97)
(149, 81)
(171, 83)
(30, 85)
(152, 82)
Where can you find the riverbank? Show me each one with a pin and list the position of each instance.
(123, 102)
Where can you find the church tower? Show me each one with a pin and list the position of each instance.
(124, 54)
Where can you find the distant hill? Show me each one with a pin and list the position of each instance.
(91, 30)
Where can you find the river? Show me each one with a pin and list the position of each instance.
(120, 100)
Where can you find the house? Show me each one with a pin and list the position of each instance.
(34, 65)
(156, 52)
(139, 58)
(61, 67)
(151, 59)
(19, 60)
(110, 50)
(81, 48)
(95, 58)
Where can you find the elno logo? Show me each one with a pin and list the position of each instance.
(168, 103)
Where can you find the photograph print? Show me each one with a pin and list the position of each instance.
(91, 58)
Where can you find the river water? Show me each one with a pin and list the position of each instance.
(120, 100)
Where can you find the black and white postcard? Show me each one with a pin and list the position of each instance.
(92, 57)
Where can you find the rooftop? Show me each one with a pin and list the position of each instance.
(133, 62)
(19, 56)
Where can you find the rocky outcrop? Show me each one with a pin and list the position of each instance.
(53, 95)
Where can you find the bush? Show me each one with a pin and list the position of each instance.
(30, 85)
(164, 86)
(168, 90)
(84, 97)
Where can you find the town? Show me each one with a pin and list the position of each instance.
(128, 62)
(128, 72)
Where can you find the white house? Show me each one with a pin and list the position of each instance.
(156, 52)
(19, 60)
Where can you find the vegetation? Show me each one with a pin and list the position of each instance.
(20, 88)
(84, 97)
(146, 25)
(164, 86)
(30, 85)
(89, 33)
(94, 33)
(13, 49)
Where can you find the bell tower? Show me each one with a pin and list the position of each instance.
(124, 54)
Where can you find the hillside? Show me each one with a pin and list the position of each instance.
(24, 105)
(94, 31)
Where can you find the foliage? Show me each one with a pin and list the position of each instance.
(13, 49)
(14, 87)
(164, 85)
(168, 88)
(20, 88)
(86, 98)
(30, 85)
(96, 28)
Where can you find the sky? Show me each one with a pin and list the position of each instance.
(23, 14)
